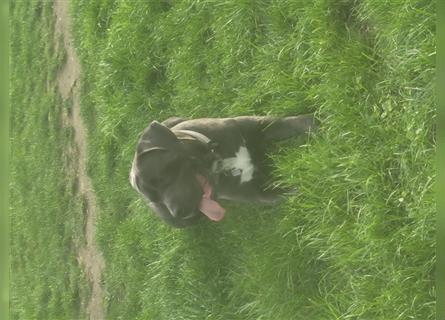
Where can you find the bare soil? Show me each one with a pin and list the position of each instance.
(68, 82)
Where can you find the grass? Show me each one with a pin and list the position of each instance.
(46, 220)
(357, 241)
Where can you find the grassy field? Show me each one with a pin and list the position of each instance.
(357, 241)
(46, 215)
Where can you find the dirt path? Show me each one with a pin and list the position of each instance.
(68, 81)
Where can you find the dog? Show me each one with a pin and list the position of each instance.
(183, 167)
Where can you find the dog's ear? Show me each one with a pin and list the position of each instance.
(160, 136)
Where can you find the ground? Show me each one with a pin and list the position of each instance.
(68, 83)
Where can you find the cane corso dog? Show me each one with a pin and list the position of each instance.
(183, 167)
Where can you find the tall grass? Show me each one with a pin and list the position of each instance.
(357, 241)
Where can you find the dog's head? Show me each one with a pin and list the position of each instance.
(174, 176)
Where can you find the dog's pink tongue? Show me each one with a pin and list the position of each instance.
(209, 207)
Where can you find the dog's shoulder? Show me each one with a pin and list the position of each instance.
(205, 124)
(225, 132)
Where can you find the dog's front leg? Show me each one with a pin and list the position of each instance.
(288, 127)
(253, 194)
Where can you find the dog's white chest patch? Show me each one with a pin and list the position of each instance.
(240, 165)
